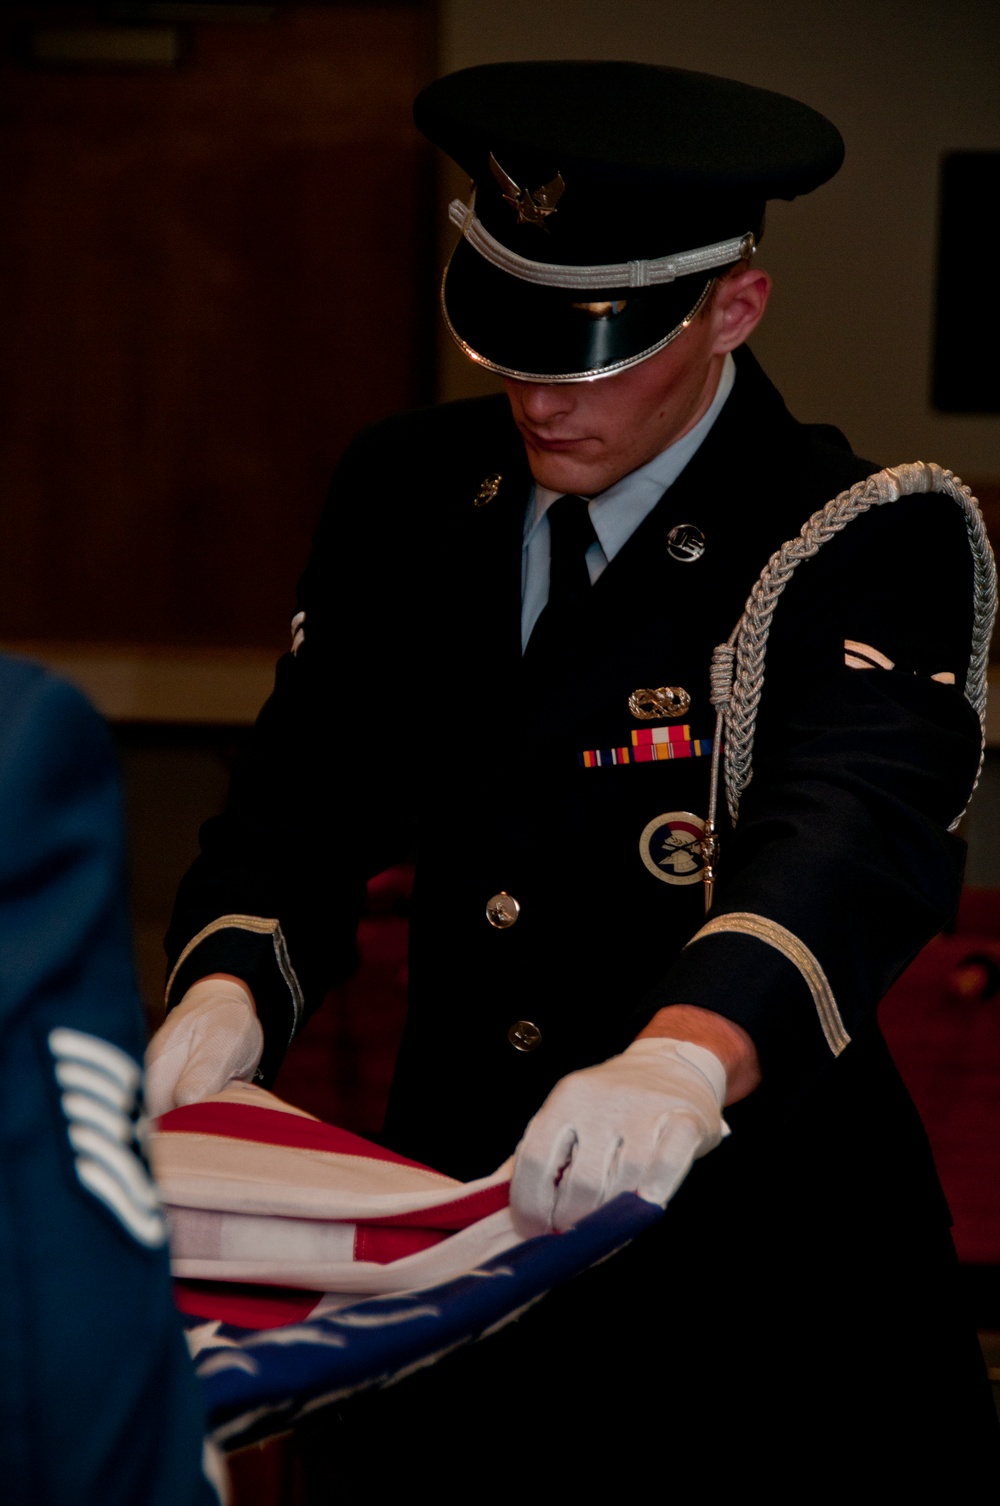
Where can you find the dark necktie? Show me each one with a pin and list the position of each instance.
(571, 534)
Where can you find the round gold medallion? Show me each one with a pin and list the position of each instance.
(502, 910)
(524, 1035)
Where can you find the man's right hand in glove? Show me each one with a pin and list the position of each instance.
(210, 1039)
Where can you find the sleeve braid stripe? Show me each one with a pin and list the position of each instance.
(260, 927)
(744, 923)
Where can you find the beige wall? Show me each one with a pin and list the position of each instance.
(848, 336)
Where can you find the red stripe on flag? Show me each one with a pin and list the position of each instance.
(382, 1246)
(244, 1306)
(457, 1215)
(244, 1121)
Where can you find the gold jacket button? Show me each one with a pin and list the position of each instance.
(502, 910)
(524, 1035)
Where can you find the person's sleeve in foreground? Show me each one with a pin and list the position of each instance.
(99, 1405)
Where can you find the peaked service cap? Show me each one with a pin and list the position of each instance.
(607, 196)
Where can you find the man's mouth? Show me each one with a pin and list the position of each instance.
(545, 442)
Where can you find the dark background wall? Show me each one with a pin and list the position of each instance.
(212, 274)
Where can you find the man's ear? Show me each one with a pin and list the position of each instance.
(738, 307)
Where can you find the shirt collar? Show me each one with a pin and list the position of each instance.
(618, 511)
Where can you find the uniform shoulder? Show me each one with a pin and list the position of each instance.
(464, 424)
(832, 453)
(28, 690)
(405, 464)
(20, 681)
(46, 723)
(818, 455)
(400, 474)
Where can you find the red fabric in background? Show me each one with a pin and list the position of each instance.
(944, 1035)
(340, 1066)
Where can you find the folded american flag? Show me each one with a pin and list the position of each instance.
(313, 1264)
(258, 1191)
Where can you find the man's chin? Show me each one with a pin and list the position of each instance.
(566, 473)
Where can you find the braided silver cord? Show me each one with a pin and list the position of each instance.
(737, 675)
(720, 681)
(720, 674)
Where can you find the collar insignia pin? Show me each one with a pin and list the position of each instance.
(488, 489)
(532, 208)
(685, 543)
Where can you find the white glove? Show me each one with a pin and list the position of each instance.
(634, 1123)
(212, 1037)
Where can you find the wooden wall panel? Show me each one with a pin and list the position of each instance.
(210, 277)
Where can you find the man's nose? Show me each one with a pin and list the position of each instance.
(544, 402)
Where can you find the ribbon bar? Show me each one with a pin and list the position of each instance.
(649, 747)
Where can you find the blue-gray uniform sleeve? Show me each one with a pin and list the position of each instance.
(99, 1404)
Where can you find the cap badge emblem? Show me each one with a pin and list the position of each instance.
(670, 847)
(685, 543)
(664, 701)
(533, 208)
(487, 490)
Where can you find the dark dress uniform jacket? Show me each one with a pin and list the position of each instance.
(406, 723)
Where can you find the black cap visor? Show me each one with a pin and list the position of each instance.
(543, 334)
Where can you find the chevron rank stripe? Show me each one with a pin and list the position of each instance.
(100, 1097)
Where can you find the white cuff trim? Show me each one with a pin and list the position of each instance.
(260, 927)
(798, 954)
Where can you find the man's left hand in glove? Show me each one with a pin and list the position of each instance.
(634, 1123)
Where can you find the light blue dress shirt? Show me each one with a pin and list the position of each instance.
(615, 513)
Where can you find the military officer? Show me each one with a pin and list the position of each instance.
(500, 662)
